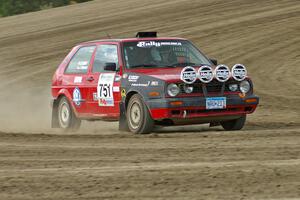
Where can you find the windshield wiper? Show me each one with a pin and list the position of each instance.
(182, 64)
(171, 65)
(143, 66)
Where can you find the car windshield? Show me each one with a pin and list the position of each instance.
(162, 53)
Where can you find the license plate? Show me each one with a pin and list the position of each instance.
(215, 103)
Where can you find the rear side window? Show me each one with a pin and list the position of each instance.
(105, 53)
(81, 60)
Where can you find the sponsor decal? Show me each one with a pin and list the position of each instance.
(154, 83)
(157, 44)
(133, 78)
(82, 65)
(141, 84)
(222, 73)
(77, 96)
(116, 89)
(117, 78)
(188, 75)
(125, 76)
(95, 98)
(206, 74)
(239, 72)
(123, 93)
(105, 89)
(77, 79)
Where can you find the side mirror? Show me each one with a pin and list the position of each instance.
(110, 67)
(214, 61)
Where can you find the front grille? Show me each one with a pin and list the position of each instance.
(190, 112)
(215, 87)
(212, 111)
(212, 87)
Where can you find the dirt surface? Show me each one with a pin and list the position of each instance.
(195, 162)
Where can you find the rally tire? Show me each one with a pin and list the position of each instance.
(66, 117)
(138, 117)
(234, 125)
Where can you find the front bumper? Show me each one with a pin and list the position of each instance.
(195, 107)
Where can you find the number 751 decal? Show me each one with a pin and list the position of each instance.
(105, 89)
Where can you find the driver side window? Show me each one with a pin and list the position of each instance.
(105, 53)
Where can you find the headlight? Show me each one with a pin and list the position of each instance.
(233, 87)
(245, 86)
(188, 89)
(173, 90)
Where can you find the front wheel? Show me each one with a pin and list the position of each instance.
(138, 117)
(66, 117)
(236, 124)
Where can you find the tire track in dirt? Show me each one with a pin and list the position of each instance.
(160, 166)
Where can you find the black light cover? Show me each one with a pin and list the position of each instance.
(146, 34)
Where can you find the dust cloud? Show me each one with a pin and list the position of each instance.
(25, 109)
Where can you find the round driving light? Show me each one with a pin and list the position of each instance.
(245, 86)
(173, 90)
(233, 87)
(188, 75)
(239, 72)
(206, 74)
(188, 89)
(222, 73)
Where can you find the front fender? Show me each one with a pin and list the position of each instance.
(143, 85)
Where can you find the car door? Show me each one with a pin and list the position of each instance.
(74, 78)
(104, 82)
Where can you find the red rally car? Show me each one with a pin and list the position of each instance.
(146, 81)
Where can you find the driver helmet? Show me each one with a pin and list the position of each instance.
(155, 54)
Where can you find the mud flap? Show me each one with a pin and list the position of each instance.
(212, 124)
(123, 126)
(54, 120)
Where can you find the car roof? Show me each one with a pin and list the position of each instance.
(131, 40)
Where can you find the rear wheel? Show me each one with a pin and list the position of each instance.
(236, 124)
(66, 117)
(138, 117)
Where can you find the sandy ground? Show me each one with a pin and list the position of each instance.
(210, 164)
(195, 162)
